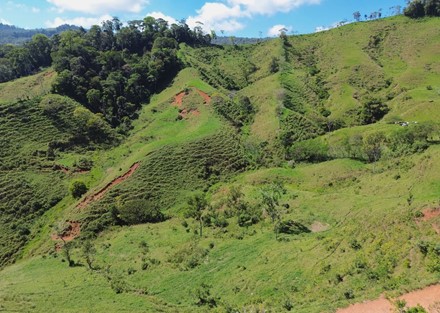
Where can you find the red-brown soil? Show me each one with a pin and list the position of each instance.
(178, 99)
(101, 193)
(205, 96)
(429, 214)
(185, 113)
(72, 231)
(427, 298)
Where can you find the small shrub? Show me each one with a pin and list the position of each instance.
(349, 294)
(288, 305)
(291, 228)
(204, 297)
(355, 245)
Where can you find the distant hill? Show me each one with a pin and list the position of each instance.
(16, 35)
(224, 40)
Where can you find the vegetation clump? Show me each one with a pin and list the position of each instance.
(78, 189)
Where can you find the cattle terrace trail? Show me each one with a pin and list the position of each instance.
(101, 193)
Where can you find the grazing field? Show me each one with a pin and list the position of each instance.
(299, 174)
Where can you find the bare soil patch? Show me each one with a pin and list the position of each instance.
(72, 231)
(178, 99)
(101, 193)
(427, 298)
(205, 96)
(318, 227)
(429, 214)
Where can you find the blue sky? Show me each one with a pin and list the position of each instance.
(250, 18)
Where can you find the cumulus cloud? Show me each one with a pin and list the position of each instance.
(4, 22)
(228, 16)
(217, 16)
(169, 19)
(276, 30)
(99, 6)
(268, 7)
(85, 22)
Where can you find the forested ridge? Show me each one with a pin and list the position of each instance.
(111, 69)
(10, 34)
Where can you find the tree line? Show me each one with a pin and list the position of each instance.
(111, 69)
(422, 8)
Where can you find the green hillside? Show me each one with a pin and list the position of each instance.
(298, 174)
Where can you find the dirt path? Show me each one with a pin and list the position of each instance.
(428, 298)
(100, 194)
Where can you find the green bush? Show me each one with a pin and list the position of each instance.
(291, 228)
(373, 110)
(77, 189)
(309, 150)
(140, 211)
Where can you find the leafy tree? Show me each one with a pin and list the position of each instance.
(88, 252)
(40, 48)
(415, 9)
(373, 145)
(373, 110)
(432, 7)
(77, 189)
(357, 16)
(196, 208)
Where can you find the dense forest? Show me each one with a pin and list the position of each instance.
(421, 8)
(110, 68)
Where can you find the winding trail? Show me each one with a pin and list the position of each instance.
(101, 193)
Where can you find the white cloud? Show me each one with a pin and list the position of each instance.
(85, 22)
(99, 6)
(4, 22)
(268, 7)
(276, 30)
(217, 16)
(157, 15)
(227, 16)
(35, 10)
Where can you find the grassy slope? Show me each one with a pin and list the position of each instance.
(247, 267)
(27, 87)
(407, 52)
(247, 272)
